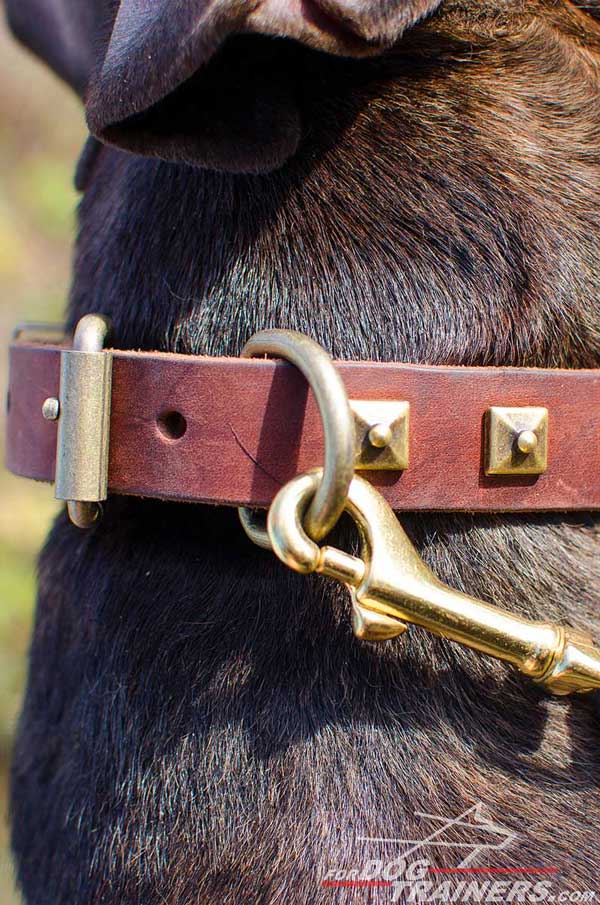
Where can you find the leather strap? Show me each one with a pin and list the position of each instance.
(252, 425)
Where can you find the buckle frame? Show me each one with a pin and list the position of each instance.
(83, 415)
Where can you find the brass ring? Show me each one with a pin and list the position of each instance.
(338, 424)
(255, 526)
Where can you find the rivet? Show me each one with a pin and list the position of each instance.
(516, 440)
(527, 441)
(382, 428)
(51, 408)
(380, 435)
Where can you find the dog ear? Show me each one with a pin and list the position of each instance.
(159, 81)
(157, 94)
(61, 32)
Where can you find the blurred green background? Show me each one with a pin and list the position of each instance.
(41, 132)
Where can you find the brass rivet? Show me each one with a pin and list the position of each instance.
(382, 428)
(51, 408)
(517, 440)
(527, 441)
(380, 435)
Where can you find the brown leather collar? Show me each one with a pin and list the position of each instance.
(248, 426)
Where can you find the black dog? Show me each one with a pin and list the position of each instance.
(403, 180)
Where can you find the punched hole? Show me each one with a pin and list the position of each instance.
(172, 425)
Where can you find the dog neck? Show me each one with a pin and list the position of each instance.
(449, 216)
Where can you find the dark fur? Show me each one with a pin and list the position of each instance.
(200, 725)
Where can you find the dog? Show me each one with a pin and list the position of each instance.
(403, 180)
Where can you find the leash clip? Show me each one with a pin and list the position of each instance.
(392, 587)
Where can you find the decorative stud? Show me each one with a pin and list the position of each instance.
(527, 442)
(51, 409)
(382, 429)
(517, 441)
(380, 435)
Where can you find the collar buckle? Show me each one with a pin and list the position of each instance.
(83, 414)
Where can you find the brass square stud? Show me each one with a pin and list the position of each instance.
(381, 434)
(517, 441)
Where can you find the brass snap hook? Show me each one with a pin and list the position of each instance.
(391, 586)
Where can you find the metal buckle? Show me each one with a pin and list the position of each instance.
(83, 414)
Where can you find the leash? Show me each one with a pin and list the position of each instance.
(247, 432)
